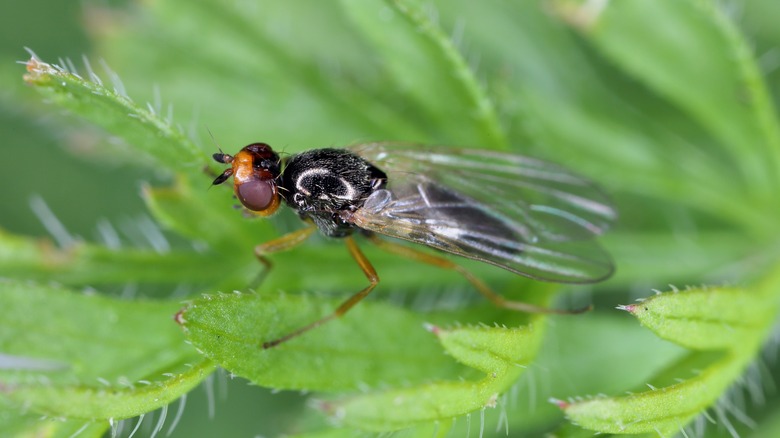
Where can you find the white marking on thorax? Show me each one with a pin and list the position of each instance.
(348, 188)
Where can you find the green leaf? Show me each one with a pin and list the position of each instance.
(500, 353)
(89, 264)
(714, 76)
(428, 69)
(728, 325)
(299, 76)
(253, 50)
(563, 365)
(145, 129)
(12, 424)
(87, 356)
(574, 108)
(662, 410)
(493, 350)
(373, 345)
(116, 400)
(713, 318)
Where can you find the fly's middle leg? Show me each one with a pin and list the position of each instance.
(282, 243)
(344, 307)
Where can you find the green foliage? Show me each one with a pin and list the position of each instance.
(66, 347)
(663, 103)
(339, 356)
(500, 353)
(724, 328)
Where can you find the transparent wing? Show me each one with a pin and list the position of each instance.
(525, 215)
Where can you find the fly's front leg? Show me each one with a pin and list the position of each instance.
(282, 243)
(373, 280)
(478, 284)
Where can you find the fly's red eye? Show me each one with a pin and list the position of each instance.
(258, 195)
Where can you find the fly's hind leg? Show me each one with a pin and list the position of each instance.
(279, 244)
(478, 284)
(373, 280)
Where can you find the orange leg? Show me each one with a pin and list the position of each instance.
(478, 284)
(373, 280)
(282, 243)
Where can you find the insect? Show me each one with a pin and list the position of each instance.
(528, 216)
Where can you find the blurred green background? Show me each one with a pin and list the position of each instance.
(48, 155)
(61, 159)
(46, 147)
(53, 162)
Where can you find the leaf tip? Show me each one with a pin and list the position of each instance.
(559, 403)
(37, 70)
(630, 308)
(436, 330)
(179, 317)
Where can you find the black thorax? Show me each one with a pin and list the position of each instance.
(320, 183)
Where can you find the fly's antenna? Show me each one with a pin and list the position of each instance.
(284, 156)
(219, 148)
(220, 157)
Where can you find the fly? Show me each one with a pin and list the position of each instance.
(528, 216)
